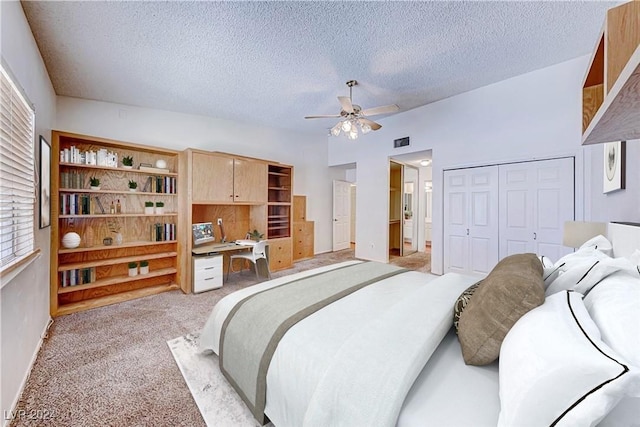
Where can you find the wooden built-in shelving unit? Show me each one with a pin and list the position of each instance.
(611, 88)
(95, 274)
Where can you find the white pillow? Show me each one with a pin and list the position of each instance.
(614, 306)
(584, 275)
(554, 369)
(585, 256)
(600, 243)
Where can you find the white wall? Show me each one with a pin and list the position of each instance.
(535, 115)
(307, 153)
(24, 311)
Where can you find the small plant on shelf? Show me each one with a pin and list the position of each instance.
(133, 185)
(148, 208)
(144, 267)
(127, 161)
(94, 183)
(255, 235)
(133, 268)
(160, 208)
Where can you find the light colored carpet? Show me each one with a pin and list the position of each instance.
(112, 366)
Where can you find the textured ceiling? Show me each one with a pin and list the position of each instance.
(272, 63)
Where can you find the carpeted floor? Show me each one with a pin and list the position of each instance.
(111, 365)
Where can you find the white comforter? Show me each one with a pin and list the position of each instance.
(353, 362)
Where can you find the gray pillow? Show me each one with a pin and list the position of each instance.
(511, 289)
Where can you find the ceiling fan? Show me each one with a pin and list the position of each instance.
(353, 116)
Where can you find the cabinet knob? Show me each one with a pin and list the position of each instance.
(237, 195)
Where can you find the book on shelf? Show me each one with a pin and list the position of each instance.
(152, 169)
(78, 276)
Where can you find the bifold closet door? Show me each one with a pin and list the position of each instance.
(536, 198)
(471, 220)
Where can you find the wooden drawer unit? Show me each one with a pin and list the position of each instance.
(303, 240)
(280, 254)
(207, 273)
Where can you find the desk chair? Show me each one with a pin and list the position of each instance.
(258, 252)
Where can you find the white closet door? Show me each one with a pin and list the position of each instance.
(553, 200)
(535, 200)
(471, 220)
(483, 219)
(456, 252)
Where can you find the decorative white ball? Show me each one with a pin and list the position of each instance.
(71, 240)
(161, 164)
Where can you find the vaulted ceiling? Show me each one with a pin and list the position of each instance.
(272, 63)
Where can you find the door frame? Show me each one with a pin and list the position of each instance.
(346, 218)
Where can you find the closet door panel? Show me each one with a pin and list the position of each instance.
(554, 204)
(483, 221)
(516, 208)
(455, 221)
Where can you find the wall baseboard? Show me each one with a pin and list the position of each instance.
(7, 420)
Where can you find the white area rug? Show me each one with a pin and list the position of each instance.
(218, 402)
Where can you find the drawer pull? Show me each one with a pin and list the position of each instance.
(209, 268)
(209, 278)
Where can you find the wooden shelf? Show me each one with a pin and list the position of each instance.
(114, 261)
(618, 117)
(116, 298)
(113, 280)
(108, 168)
(279, 173)
(280, 188)
(133, 193)
(130, 215)
(106, 248)
(611, 89)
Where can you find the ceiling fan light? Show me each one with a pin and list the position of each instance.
(365, 127)
(335, 131)
(346, 126)
(353, 133)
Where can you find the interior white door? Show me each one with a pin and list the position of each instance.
(471, 220)
(483, 220)
(341, 214)
(536, 199)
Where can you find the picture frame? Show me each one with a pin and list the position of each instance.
(613, 177)
(45, 183)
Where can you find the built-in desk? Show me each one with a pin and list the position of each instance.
(222, 248)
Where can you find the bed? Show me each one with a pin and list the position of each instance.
(385, 353)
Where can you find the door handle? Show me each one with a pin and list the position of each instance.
(535, 236)
(335, 219)
(467, 231)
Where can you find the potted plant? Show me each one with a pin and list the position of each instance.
(144, 267)
(127, 162)
(148, 208)
(159, 208)
(94, 183)
(132, 185)
(255, 235)
(133, 269)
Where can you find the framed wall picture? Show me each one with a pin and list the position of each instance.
(614, 166)
(45, 183)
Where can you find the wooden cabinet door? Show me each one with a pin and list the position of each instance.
(212, 178)
(250, 181)
(280, 254)
(302, 240)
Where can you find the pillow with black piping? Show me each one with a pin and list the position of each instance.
(584, 275)
(556, 370)
(587, 256)
(613, 306)
(600, 243)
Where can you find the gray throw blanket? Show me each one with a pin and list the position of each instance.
(253, 328)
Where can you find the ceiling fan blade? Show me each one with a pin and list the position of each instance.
(374, 125)
(329, 116)
(380, 110)
(347, 106)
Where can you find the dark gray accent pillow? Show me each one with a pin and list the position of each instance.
(462, 302)
(511, 289)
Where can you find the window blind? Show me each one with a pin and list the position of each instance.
(17, 183)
